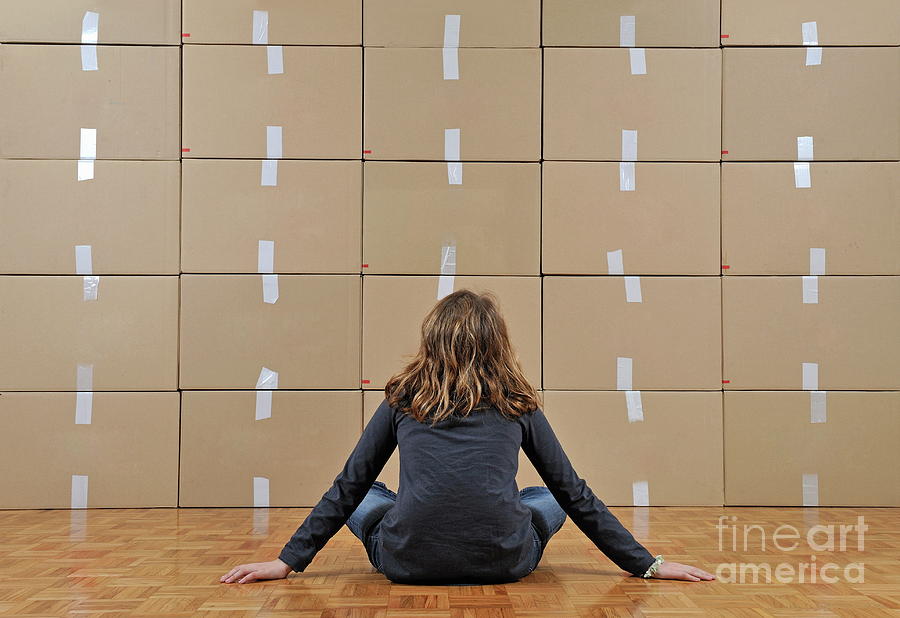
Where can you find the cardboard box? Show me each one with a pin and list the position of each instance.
(131, 101)
(598, 432)
(313, 214)
(309, 335)
(772, 227)
(285, 22)
(390, 475)
(667, 337)
(125, 339)
(774, 22)
(493, 218)
(395, 306)
(662, 217)
(118, 21)
(230, 99)
(674, 106)
(771, 99)
(127, 215)
(500, 23)
(411, 109)
(117, 450)
(232, 455)
(774, 339)
(812, 449)
(626, 23)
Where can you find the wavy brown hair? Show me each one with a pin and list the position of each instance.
(465, 362)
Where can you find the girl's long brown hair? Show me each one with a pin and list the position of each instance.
(465, 362)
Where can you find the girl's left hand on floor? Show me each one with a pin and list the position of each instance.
(686, 572)
(246, 573)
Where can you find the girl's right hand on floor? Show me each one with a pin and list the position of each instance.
(246, 573)
(676, 570)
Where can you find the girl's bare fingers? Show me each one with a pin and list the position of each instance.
(240, 573)
(249, 578)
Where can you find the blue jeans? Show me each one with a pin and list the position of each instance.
(547, 517)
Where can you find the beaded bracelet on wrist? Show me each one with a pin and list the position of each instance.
(654, 567)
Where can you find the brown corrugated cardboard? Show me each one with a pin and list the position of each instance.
(668, 337)
(394, 307)
(770, 226)
(390, 475)
(126, 338)
(825, 449)
(652, 23)
(309, 335)
(623, 455)
(286, 22)
(118, 21)
(312, 214)
(132, 101)
(127, 214)
(495, 105)
(662, 217)
(592, 96)
(411, 213)
(499, 23)
(850, 334)
(837, 22)
(847, 104)
(231, 455)
(230, 99)
(124, 444)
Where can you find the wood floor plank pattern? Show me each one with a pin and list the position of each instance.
(167, 562)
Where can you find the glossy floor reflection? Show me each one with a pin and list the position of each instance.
(166, 562)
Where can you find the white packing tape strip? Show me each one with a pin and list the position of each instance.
(810, 376)
(260, 491)
(638, 61)
(84, 406)
(813, 56)
(260, 32)
(268, 176)
(84, 263)
(633, 290)
(87, 147)
(265, 257)
(79, 498)
(263, 405)
(85, 169)
(614, 262)
(84, 377)
(270, 289)
(91, 286)
(818, 408)
(451, 46)
(809, 30)
(275, 59)
(640, 493)
(810, 489)
(805, 148)
(629, 144)
(89, 58)
(810, 290)
(273, 142)
(267, 379)
(261, 522)
(635, 406)
(623, 373)
(454, 173)
(451, 144)
(626, 31)
(90, 28)
(802, 179)
(626, 176)
(448, 271)
(816, 261)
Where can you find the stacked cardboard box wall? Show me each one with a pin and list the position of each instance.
(222, 222)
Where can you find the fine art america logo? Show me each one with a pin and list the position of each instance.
(753, 539)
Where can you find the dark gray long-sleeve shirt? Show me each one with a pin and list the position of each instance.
(458, 516)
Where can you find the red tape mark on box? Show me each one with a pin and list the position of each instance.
(723, 36)
(185, 150)
(185, 34)
(725, 266)
(366, 381)
(367, 152)
(724, 152)
(726, 381)
(365, 265)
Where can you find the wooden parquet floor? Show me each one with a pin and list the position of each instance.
(167, 562)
